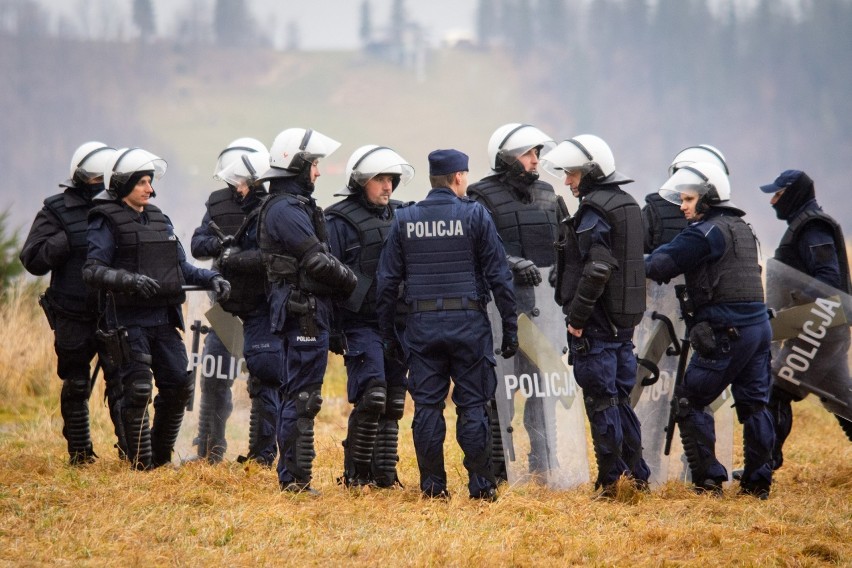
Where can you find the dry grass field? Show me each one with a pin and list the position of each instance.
(230, 514)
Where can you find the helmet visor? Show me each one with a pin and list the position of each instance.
(564, 158)
(683, 181)
(247, 170)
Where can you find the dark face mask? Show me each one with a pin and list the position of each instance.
(794, 197)
(93, 189)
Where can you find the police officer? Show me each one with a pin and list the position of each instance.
(525, 211)
(602, 291)
(228, 233)
(304, 279)
(135, 259)
(447, 252)
(57, 244)
(727, 323)
(358, 226)
(663, 219)
(813, 244)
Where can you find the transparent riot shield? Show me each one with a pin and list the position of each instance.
(811, 337)
(540, 407)
(200, 318)
(658, 340)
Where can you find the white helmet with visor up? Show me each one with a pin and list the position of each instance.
(120, 171)
(88, 162)
(513, 140)
(235, 149)
(372, 160)
(295, 148)
(706, 180)
(247, 170)
(700, 153)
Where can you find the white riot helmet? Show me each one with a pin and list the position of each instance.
(371, 160)
(587, 153)
(125, 167)
(293, 148)
(246, 169)
(700, 153)
(705, 179)
(235, 149)
(513, 140)
(88, 162)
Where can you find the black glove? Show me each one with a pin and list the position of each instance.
(143, 285)
(57, 251)
(337, 343)
(228, 253)
(393, 349)
(509, 347)
(525, 271)
(221, 287)
(551, 278)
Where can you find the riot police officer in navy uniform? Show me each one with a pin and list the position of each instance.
(304, 279)
(601, 287)
(358, 226)
(525, 211)
(447, 252)
(813, 244)
(729, 328)
(57, 244)
(135, 259)
(228, 234)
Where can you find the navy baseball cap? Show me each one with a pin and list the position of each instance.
(444, 162)
(785, 180)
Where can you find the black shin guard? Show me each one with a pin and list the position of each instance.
(169, 406)
(498, 455)
(74, 406)
(300, 462)
(134, 414)
(386, 451)
(361, 438)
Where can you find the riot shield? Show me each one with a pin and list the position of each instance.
(657, 339)
(811, 337)
(229, 329)
(540, 407)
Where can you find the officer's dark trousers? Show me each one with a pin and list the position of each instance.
(441, 345)
(305, 361)
(373, 432)
(744, 364)
(158, 351)
(264, 355)
(76, 346)
(607, 373)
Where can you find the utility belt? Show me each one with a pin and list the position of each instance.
(115, 348)
(703, 338)
(52, 310)
(446, 305)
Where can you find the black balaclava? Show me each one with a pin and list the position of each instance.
(795, 195)
(587, 184)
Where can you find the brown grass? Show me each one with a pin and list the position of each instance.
(106, 515)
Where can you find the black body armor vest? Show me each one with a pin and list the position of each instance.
(663, 221)
(788, 253)
(372, 233)
(67, 288)
(248, 286)
(735, 277)
(146, 249)
(528, 225)
(224, 211)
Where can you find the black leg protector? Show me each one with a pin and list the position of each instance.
(221, 409)
(607, 454)
(361, 438)
(74, 406)
(113, 394)
(846, 425)
(134, 414)
(386, 452)
(169, 407)
(498, 455)
(699, 451)
(781, 409)
(205, 417)
(263, 422)
(300, 462)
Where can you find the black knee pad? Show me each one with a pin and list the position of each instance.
(308, 401)
(76, 389)
(395, 406)
(138, 389)
(373, 401)
(595, 404)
